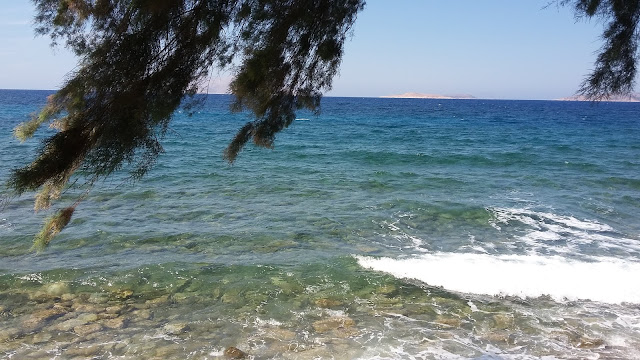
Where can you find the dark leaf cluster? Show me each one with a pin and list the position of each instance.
(290, 52)
(140, 60)
(615, 67)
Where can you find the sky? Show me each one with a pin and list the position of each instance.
(502, 49)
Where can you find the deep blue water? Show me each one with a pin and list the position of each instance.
(423, 228)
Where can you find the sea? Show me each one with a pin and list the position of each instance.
(377, 229)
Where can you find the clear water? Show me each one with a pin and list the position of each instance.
(380, 229)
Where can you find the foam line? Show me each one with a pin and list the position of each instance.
(603, 279)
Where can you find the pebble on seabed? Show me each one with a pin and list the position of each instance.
(234, 353)
(333, 323)
(176, 328)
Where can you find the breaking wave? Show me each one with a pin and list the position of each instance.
(602, 279)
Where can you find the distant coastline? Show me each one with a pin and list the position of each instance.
(635, 97)
(413, 95)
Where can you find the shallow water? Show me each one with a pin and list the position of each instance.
(380, 229)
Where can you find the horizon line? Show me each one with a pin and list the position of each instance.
(389, 97)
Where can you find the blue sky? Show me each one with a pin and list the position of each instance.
(490, 49)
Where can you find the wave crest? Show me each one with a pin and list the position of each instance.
(602, 279)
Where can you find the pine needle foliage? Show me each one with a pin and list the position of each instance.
(616, 64)
(141, 60)
(52, 227)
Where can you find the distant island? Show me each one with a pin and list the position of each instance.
(412, 95)
(634, 97)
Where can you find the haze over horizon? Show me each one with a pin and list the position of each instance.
(497, 49)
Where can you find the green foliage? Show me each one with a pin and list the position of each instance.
(52, 227)
(140, 60)
(26, 130)
(291, 51)
(615, 67)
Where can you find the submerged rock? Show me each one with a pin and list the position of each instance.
(327, 303)
(333, 323)
(40, 318)
(87, 318)
(68, 297)
(84, 330)
(57, 288)
(231, 296)
(98, 298)
(68, 325)
(308, 353)
(82, 319)
(449, 321)
(40, 296)
(216, 293)
(234, 353)
(588, 343)
(503, 321)
(280, 334)
(41, 337)
(288, 286)
(123, 294)
(143, 314)
(158, 301)
(387, 289)
(345, 332)
(9, 334)
(84, 351)
(168, 351)
(176, 328)
(84, 308)
(180, 297)
(116, 309)
(116, 323)
(107, 316)
(500, 337)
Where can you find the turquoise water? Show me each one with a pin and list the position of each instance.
(379, 229)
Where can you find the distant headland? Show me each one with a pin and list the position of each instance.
(412, 95)
(634, 97)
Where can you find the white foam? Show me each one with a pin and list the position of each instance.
(5, 225)
(409, 241)
(603, 279)
(35, 277)
(544, 228)
(265, 323)
(545, 219)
